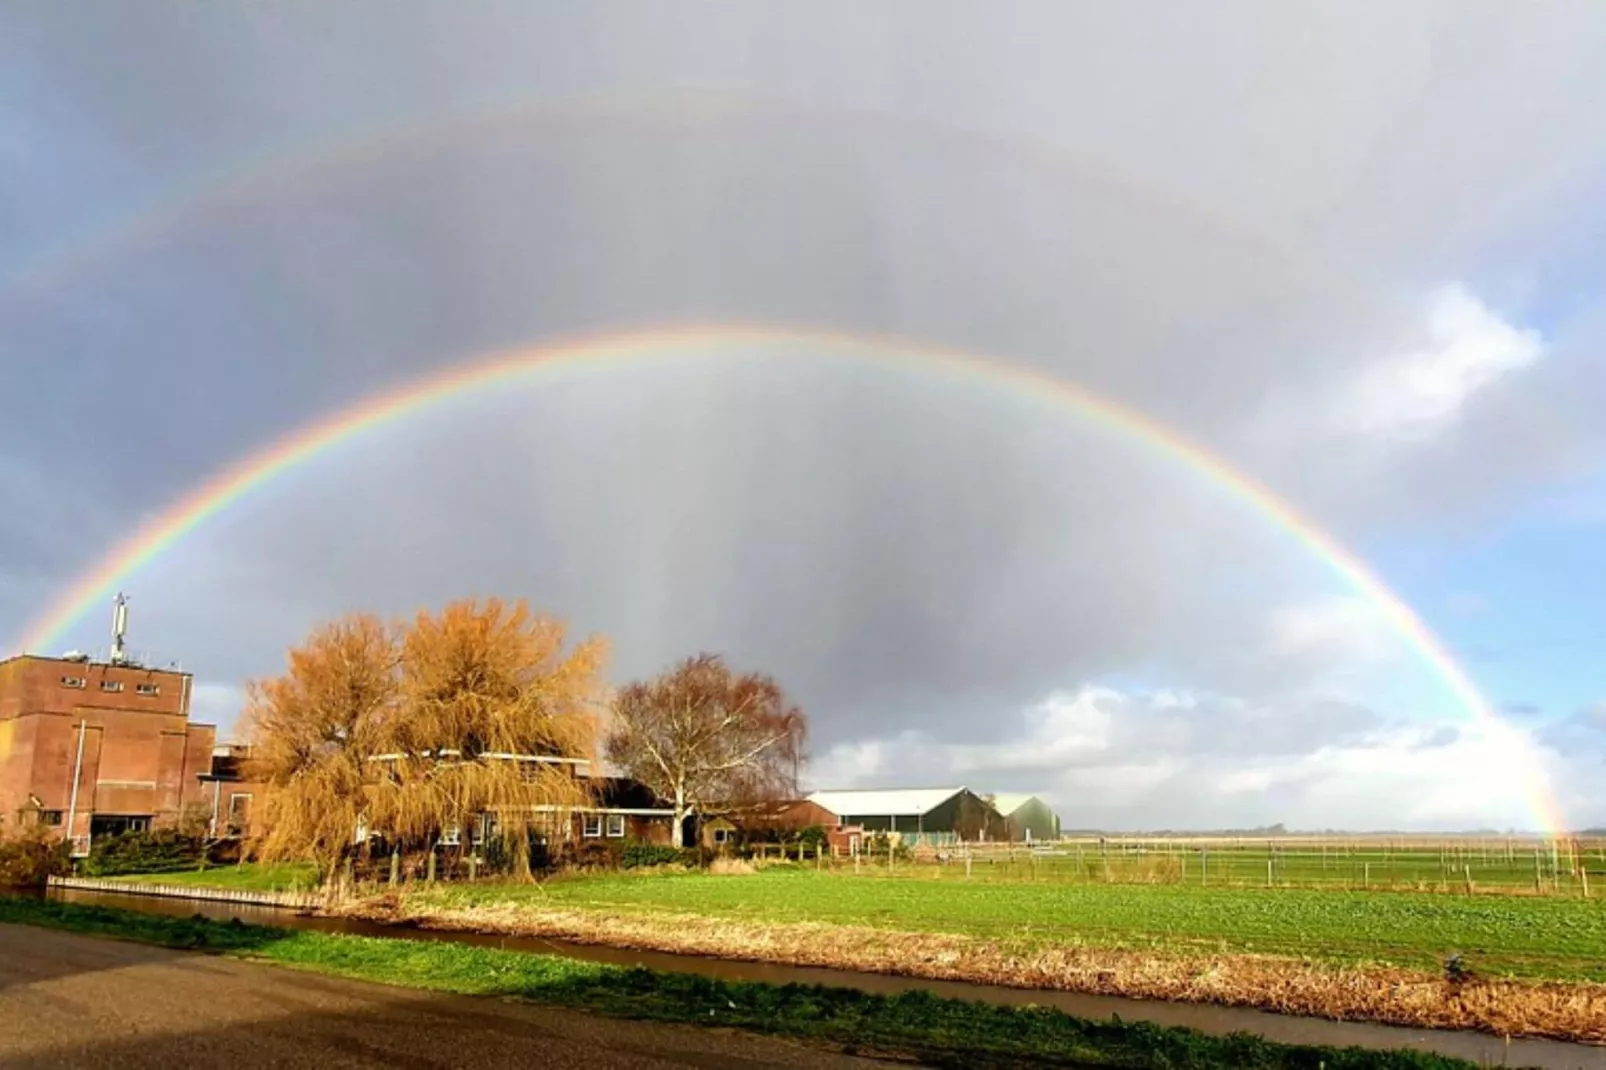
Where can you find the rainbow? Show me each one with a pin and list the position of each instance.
(257, 174)
(229, 485)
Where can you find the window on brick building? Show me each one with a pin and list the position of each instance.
(239, 811)
(591, 826)
(111, 685)
(73, 681)
(50, 817)
(149, 689)
(616, 826)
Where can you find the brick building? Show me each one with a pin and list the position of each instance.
(123, 727)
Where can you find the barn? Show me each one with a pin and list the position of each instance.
(928, 813)
(1027, 817)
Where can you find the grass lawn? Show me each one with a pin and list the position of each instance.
(250, 877)
(1529, 937)
(939, 1032)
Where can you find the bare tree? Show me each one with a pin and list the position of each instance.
(707, 740)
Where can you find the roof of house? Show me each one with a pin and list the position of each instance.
(884, 802)
(1007, 803)
(625, 793)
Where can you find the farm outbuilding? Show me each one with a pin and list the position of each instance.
(932, 812)
(1027, 817)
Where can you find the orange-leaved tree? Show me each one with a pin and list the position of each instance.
(706, 739)
(311, 732)
(414, 733)
(494, 713)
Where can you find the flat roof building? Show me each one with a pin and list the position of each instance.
(96, 748)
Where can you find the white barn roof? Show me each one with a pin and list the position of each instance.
(884, 802)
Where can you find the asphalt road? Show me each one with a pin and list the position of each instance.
(75, 1001)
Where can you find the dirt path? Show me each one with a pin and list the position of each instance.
(75, 1001)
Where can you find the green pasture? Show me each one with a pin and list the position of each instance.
(1526, 936)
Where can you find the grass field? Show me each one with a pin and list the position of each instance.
(1529, 937)
(251, 877)
(938, 1032)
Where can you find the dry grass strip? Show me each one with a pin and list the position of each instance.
(1558, 1010)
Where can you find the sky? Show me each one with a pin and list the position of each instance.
(1351, 249)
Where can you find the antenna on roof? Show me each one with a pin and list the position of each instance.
(119, 629)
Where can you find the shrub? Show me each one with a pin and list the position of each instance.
(161, 851)
(594, 854)
(813, 837)
(644, 855)
(27, 859)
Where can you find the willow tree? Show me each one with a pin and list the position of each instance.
(493, 712)
(312, 731)
(708, 740)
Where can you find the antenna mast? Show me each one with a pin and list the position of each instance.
(119, 629)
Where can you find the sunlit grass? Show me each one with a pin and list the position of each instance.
(1531, 937)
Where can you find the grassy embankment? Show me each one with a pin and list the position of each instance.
(937, 1031)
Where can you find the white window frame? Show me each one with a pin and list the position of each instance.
(77, 683)
(720, 835)
(615, 826)
(111, 687)
(149, 690)
(451, 837)
(235, 797)
(591, 826)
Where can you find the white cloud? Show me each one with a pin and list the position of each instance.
(1345, 629)
(1129, 760)
(1467, 348)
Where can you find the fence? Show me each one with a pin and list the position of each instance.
(1467, 865)
(293, 900)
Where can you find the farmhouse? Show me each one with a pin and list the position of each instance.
(937, 814)
(622, 809)
(767, 822)
(1027, 818)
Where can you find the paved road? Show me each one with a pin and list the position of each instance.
(74, 1001)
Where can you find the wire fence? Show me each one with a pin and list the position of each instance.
(1466, 865)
